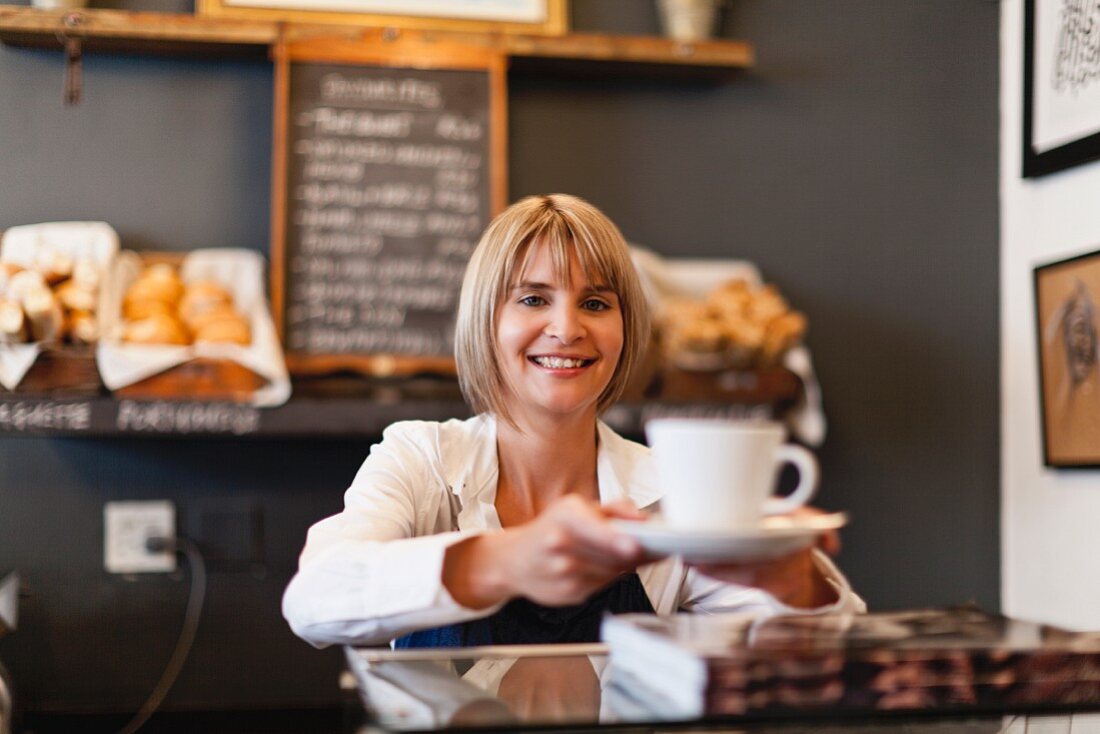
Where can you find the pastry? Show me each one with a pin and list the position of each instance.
(217, 313)
(83, 327)
(782, 334)
(148, 288)
(75, 297)
(166, 276)
(24, 282)
(766, 304)
(48, 294)
(13, 322)
(738, 325)
(703, 335)
(158, 328)
(44, 315)
(86, 274)
(731, 300)
(201, 298)
(138, 310)
(54, 265)
(7, 270)
(160, 308)
(234, 330)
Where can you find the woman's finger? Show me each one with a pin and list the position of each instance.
(623, 509)
(585, 523)
(829, 542)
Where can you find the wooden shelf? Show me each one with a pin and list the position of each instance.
(302, 417)
(135, 32)
(352, 408)
(175, 34)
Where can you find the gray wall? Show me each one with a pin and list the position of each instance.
(856, 165)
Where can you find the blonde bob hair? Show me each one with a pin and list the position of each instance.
(567, 225)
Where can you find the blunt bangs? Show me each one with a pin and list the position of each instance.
(566, 225)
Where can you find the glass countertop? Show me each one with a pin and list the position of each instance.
(577, 688)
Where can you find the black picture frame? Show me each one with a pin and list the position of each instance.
(1067, 330)
(1081, 150)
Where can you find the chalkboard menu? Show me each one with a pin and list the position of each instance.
(388, 167)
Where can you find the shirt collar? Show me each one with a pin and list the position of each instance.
(624, 469)
(474, 476)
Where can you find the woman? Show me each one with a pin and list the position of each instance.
(495, 529)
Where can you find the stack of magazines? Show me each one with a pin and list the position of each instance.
(965, 659)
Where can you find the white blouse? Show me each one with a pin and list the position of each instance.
(374, 571)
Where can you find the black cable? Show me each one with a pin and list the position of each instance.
(187, 633)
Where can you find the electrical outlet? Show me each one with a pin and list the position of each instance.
(126, 528)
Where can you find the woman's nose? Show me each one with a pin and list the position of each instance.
(566, 325)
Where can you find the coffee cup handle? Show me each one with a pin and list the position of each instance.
(806, 464)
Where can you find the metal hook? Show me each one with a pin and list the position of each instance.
(70, 22)
(71, 36)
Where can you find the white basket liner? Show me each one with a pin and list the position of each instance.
(668, 278)
(241, 271)
(79, 240)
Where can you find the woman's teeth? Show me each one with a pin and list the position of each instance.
(559, 363)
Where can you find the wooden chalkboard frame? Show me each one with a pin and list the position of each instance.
(418, 54)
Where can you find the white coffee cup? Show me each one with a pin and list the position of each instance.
(721, 474)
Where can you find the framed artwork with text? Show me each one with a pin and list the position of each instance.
(1061, 84)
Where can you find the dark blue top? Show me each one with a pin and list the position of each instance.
(523, 622)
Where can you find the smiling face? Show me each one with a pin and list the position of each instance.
(559, 338)
(546, 240)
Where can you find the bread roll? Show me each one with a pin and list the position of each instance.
(83, 327)
(158, 328)
(87, 275)
(744, 332)
(783, 333)
(44, 315)
(138, 310)
(75, 297)
(202, 297)
(13, 322)
(230, 331)
(154, 289)
(731, 300)
(54, 265)
(222, 312)
(766, 304)
(7, 271)
(680, 312)
(166, 277)
(703, 335)
(25, 282)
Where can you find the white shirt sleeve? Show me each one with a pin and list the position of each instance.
(363, 577)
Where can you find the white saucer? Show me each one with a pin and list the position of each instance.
(774, 537)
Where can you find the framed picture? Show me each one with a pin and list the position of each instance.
(1067, 296)
(542, 17)
(1061, 85)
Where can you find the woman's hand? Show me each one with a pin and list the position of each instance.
(793, 579)
(561, 557)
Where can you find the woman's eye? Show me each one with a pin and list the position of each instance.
(532, 301)
(595, 304)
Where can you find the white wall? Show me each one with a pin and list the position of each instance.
(1050, 520)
